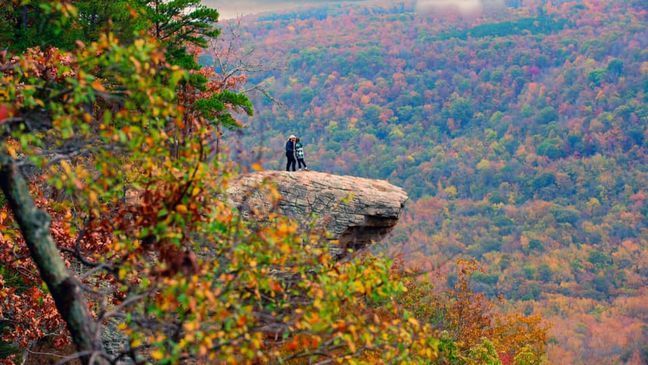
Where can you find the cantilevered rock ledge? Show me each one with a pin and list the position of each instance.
(355, 211)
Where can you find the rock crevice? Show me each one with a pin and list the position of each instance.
(355, 211)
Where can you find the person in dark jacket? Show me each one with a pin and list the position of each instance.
(290, 154)
(299, 154)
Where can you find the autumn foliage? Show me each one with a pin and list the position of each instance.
(480, 332)
(118, 130)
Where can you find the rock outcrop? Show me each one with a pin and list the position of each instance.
(355, 211)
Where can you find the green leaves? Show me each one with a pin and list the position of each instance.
(216, 108)
(180, 24)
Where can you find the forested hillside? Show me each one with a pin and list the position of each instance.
(520, 135)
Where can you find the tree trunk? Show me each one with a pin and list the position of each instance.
(65, 288)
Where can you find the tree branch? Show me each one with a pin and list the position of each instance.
(65, 288)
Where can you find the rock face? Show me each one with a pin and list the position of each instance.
(355, 211)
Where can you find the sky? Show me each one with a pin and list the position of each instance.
(233, 8)
(463, 6)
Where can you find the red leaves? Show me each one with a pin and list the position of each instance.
(6, 112)
(33, 314)
(302, 342)
(178, 261)
(22, 297)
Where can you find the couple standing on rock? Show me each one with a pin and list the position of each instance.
(294, 154)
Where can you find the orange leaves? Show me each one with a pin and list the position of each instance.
(469, 319)
(98, 85)
(514, 333)
(182, 209)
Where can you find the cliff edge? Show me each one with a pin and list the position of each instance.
(355, 211)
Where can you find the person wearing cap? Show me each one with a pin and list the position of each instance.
(290, 154)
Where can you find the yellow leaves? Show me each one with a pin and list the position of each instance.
(593, 203)
(484, 165)
(412, 321)
(182, 209)
(168, 164)
(451, 191)
(136, 63)
(196, 191)
(157, 354)
(275, 195)
(136, 343)
(66, 167)
(351, 344)
(428, 353)
(139, 43)
(122, 273)
(358, 287)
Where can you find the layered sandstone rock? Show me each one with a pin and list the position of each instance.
(355, 211)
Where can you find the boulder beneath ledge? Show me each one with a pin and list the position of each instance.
(354, 211)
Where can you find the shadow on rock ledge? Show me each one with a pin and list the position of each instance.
(355, 211)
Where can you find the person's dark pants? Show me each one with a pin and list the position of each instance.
(301, 162)
(291, 162)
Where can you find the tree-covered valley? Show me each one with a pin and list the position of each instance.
(519, 134)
